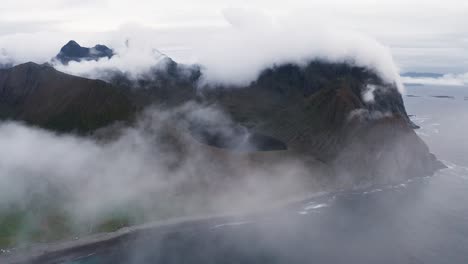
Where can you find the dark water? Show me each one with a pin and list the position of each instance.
(420, 221)
(444, 120)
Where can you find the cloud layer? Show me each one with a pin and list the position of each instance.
(447, 79)
(425, 35)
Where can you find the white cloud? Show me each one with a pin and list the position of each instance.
(368, 94)
(423, 35)
(236, 54)
(155, 165)
(447, 79)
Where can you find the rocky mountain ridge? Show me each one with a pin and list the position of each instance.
(339, 114)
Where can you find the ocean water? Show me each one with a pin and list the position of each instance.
(423, 220)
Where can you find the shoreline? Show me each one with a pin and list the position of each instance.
(52, 250)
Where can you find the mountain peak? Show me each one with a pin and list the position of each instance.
(72, 42)
(70, 45)
(32, 66)
(28, 66)
(73, 51)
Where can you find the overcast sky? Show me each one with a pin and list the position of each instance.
(424, 35)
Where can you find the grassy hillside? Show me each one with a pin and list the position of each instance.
(42, 96)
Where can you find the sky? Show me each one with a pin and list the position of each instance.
(422, 35)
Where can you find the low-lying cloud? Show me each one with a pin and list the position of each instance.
(447, 79)
(154, 170)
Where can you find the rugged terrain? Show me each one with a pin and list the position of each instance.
(318, 111)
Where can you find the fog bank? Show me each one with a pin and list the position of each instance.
(154, 170)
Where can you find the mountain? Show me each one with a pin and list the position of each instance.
(293, 131)
(318, 112)
(72, 51)
(5, 65)
(422, 75)
(43, 96)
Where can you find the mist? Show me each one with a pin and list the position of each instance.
(149, 172)
(397, 223)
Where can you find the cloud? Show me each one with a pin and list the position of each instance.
(5, 59)
(12, 27)
(236, 54)
(362, 114)
(247, 18)
(38, 47)
(423, 36)
(368, 94)
(447, 79)
(154, 170)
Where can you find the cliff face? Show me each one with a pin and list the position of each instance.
(42, 96)
(342, 115)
